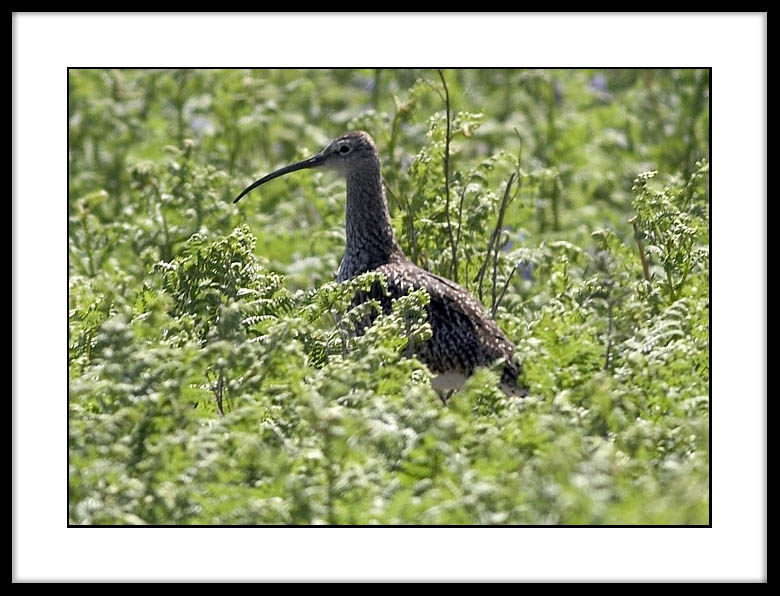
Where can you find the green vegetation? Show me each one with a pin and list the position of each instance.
(214, 378)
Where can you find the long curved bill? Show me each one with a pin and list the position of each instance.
(312, 162)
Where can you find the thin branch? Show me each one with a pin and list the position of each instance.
(495, 269)
(640, 245)
(520, 151)
(494, 308)
(493, 244)
(608, 357)
(218, 393)
(460, 218)
(504, 204)
(497, 301)
(453, 245)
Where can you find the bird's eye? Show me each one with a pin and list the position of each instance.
(344, 149)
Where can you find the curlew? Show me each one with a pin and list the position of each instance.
(464, 335)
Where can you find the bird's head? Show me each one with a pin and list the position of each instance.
(351, 151)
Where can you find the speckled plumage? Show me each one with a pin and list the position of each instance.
(464, 335)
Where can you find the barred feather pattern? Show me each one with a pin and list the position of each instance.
(464, 336)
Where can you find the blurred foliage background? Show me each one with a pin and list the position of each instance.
(213, 375)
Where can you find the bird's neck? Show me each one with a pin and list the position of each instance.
(370, 238)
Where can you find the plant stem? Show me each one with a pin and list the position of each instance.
(494, 308)
(608, 358)
(493, 244)
(453, 245)
(642, 257)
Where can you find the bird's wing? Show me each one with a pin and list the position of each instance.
(465, 336)
(449, 291)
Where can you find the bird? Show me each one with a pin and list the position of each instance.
(464, 335)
